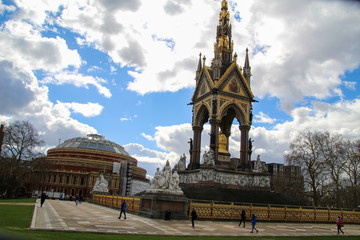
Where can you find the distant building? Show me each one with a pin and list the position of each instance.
(73, 167)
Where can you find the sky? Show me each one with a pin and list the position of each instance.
(126, 70)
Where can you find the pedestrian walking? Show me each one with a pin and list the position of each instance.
(123, 210)
(193, 217)
(339, 224)
(77, 200)
(42, 199)
(243, 217)
(253, 223)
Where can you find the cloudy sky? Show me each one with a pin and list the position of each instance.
(125, 70)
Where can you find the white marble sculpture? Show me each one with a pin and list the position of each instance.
(101, 186)
(165, 181)
(209, 158)
(259, 166)
(226, 178)
(181, 165)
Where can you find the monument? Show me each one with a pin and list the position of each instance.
(164, 199)
(222, 94)
(101, 186)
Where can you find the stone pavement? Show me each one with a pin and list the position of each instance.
(86, 217)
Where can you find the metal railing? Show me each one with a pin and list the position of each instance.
(231, 211)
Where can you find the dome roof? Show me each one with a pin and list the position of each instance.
(94, 142)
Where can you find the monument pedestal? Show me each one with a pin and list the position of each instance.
(164, 206)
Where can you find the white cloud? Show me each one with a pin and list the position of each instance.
(350, 85)
(6, 8)
(87, 110)
(20, 42)
(53, 120)
(148, 137)
(123, 119)
(78, 80)
(263, 118)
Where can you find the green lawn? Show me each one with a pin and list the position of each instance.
(15, 221)
(20, 200)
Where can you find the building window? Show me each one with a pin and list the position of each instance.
(74, 180)
(49, 178)
(67, 179)
(65, 191)
(58, 189)
(72, 192)
(83, 170)
(54, 180)
(60, 179)
(82, 181)
(62, 168)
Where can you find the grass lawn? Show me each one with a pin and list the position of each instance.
(15, 221)
(20, 200)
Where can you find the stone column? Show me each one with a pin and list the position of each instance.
(244, 163)
(195, 156)
(214, 137)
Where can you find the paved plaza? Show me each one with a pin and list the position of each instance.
(87, 217)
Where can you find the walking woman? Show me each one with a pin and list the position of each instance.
(339, 224)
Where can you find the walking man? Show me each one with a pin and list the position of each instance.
(193, 217)
(123, 210)
(243, 218)
(42, 199)
(253, 222)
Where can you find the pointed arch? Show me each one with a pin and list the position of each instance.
(202, 116)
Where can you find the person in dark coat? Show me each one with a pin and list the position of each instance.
(243, 217)
(193, 217)
(123, 210)
(42, 199)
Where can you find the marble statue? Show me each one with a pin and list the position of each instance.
(209, 158)
(101, 186)
(259, 166)
(181, 165)
(165, 181)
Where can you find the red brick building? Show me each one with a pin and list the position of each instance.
(73, 167)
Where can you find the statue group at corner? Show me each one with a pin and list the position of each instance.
(165, 181)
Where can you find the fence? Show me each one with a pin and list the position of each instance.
(231, 211)
(132, 203)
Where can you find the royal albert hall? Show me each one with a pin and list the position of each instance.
(73, 167)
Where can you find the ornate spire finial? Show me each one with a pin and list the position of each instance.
(247, 68)
(199, 68)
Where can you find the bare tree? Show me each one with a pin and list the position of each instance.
(352, 170)
(305, 151)
(21, 141)
(332, 151)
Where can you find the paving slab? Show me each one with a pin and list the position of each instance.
(56, 215)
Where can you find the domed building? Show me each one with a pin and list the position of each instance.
(73, 167)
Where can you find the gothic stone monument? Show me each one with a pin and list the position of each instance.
(222, 94)
(164, 198)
